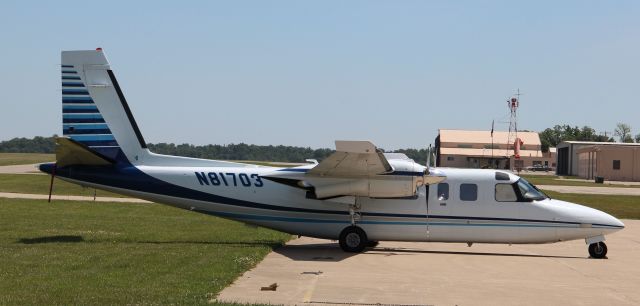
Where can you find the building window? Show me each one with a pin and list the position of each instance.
(443, 192)
(449, 158)
(468, 192)
(616, 164)
(505, 193)
(465, 146)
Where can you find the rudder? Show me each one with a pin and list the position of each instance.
(95, 112)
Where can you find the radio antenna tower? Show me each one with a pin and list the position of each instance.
(513, 103)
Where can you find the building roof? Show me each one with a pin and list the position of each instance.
(597, 148)
(600, 143)
(484, 137)
(487, 152)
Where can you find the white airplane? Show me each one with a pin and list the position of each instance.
(358, 195)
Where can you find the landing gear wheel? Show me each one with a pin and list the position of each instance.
(353, 239)
(598, 250)
(372, 244)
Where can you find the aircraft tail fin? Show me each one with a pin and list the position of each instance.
(95, 113)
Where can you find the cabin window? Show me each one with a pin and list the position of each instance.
(616, 164)
(449, 158)
(501, 176)
(468, 192)
(443, 191)
(506, 193)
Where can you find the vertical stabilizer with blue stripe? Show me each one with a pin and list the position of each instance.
(94, 110)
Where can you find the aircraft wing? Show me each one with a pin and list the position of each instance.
(358, 168)
(353, 158)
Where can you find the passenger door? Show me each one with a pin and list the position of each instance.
(438, 206)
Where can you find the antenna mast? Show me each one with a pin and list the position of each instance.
(513, 103)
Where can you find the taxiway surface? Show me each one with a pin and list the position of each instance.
(314, 271)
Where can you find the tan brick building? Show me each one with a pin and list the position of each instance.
(478, 149)
(612, 161)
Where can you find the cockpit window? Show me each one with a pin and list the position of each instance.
(506, 193)
(528, 191)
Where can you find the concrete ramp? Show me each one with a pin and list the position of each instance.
(313, 271)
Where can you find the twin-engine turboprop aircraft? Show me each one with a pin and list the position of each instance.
(358, 195)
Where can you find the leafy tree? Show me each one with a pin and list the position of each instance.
(638, 138)
(551, 137)
(623, 131)
(24, 145)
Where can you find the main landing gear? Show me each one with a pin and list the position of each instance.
(353, 239)
(598, 250)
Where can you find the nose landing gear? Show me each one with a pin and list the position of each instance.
(598, 250)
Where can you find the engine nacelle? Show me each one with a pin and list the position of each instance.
(397, 187)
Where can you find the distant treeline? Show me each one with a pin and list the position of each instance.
(225, 152)
(37, 144)
(241, 151)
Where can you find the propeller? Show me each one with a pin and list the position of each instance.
(53, 175)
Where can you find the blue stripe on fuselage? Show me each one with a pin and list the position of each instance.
(129, 177)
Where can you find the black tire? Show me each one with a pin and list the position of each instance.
(353, 239)
(598, 250)
(372, 244)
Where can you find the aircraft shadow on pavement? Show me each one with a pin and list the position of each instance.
(401, 251)
(332, 252)
(314, 252)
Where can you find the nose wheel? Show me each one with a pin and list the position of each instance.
(598, 250)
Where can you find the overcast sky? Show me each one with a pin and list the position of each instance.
(306, 73)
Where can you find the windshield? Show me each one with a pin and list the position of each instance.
(529, 191)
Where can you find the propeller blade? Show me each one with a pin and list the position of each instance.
(53, 175)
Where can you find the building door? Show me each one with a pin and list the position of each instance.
(563, 161)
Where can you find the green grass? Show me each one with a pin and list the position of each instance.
(555, 180)
(111, 253)
(619, 206)
(25, 158)
(39, 184)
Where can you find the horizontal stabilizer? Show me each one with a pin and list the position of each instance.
(70, 153)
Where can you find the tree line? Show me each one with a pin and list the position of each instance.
(239, 151)
(550, 137)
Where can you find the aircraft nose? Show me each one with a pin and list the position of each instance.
(610, 221)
